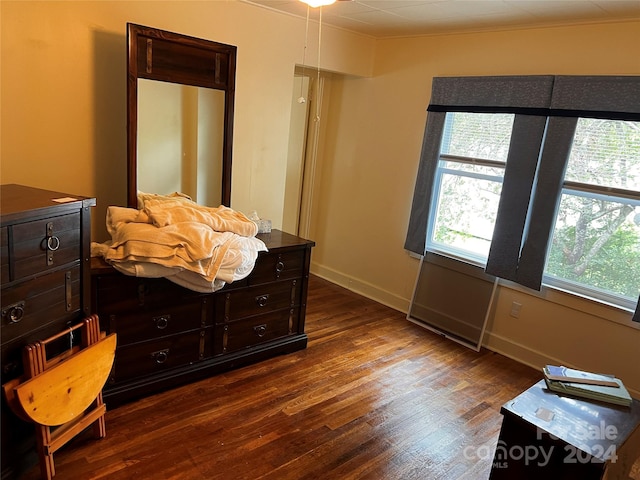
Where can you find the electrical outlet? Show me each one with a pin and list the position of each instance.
(515, 309)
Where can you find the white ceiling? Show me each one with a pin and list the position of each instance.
(389, 18)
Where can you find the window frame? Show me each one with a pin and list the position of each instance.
(607, 194)
(431, 244)
(569, 187)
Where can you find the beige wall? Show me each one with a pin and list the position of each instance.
(63, 128)
(64, 85)
(372, 159)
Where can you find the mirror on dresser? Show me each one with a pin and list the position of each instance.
(180, 106)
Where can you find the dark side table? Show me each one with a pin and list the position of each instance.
(549, 436)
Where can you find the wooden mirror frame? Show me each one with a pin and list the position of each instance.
(171, 57)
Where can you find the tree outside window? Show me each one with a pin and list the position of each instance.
(596, 242)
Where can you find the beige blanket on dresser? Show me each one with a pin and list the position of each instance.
(198, 247)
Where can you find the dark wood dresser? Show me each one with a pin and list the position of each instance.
(45, 240)
(169, 335)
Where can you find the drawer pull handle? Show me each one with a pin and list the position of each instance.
(260, 330)
(262, 300)
(279, 267)
(162, 321)
(14, 313)
(53, 243)
(161, 356)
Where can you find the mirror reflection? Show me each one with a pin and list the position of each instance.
(180, 140)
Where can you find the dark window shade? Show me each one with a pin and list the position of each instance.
(417, 230)
(545, 200)
(612, 96)
(520, 172)
(502, 94)
(572, 97)
(509, 92)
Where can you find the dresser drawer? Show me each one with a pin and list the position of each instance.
(256, 330)
(133, 327)
(156, 356)
(31, 304)
(122, 293)
(43, 245)
(273, 266)
(12, 350)
(257, 300)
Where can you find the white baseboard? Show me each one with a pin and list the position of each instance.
(361, 287)
(496, 343)
(527, 356)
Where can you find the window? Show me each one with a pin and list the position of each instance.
(468, 183)
(595, 250)
(536, 178)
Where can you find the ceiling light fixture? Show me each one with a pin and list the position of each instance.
(318, 3)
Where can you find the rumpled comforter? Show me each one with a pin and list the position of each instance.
(197, 247)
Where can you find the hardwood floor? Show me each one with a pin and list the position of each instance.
(372, 397)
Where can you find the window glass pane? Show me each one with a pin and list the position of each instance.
(477, 135)
(465, 215)
(606, 153)
(596, 244)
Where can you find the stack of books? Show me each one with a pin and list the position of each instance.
(594, 386)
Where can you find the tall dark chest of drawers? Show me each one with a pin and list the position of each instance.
(45, 240)
(169, 335)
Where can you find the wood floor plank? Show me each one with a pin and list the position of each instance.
(372, 397)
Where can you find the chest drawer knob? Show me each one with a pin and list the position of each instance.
(14, 313)
(260, 330)
(162, 321)
(53, 243)
(279, 266)
(261, 300)
(161, 356)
